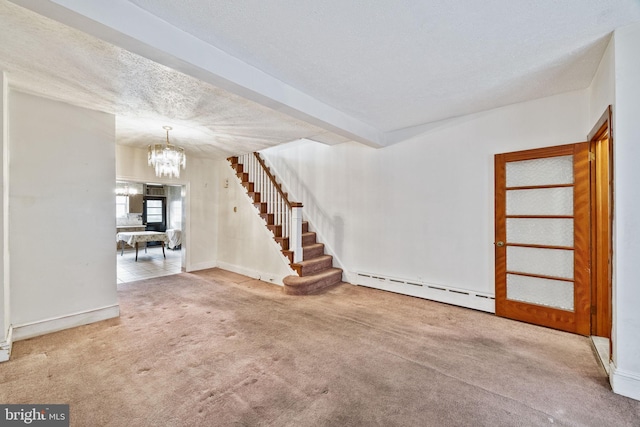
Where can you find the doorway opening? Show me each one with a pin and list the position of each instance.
(554, 210)
(149, 207)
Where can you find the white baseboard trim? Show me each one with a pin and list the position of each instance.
(42, 327)
(5, 346)
(454, 296)
(625, 383)
(265, 277)
(201, 266)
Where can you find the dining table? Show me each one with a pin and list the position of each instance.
(134, 238)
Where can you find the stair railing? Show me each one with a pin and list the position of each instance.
(286, 214)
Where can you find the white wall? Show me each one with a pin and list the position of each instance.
(63, 269)
(422, 209)
(625, 378)
(200, 179)
(174, 207)
(245, 245)
(5, 313)
(602, 88)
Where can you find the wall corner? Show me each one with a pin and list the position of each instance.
(6, 345)
(625, 383)
(5, 307)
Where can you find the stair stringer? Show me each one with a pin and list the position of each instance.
(254, 251)
(307, 210)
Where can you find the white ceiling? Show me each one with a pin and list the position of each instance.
(254, 74)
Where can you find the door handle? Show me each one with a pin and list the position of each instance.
(500, 244)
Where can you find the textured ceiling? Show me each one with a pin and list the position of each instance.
(371, 64)
(405, 63)
(44, 57)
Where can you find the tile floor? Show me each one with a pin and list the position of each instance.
(150, 264)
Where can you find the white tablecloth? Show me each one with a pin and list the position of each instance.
(133, 237)
(175, 238)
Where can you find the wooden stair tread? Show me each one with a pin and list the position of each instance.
(308, 238)
(275, 229)
(312, 245)
(313, 265)
(288, 254)
(320, 274)
(315, 260)
(295, 285)
(313, 250)
(283, 242)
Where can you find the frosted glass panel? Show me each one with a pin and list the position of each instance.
(547, 262)
(540, 231)
(552, 293)
(541, 201)
(552, 170)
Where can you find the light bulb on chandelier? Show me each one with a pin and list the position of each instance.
(166, 158)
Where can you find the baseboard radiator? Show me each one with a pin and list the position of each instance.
(455, 296)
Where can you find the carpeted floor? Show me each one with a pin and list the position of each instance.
(219, 349)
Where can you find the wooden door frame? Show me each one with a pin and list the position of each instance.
(601, 237)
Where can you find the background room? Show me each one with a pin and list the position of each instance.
(148, 207)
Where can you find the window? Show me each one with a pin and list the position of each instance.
(122, 206)
(154, 211)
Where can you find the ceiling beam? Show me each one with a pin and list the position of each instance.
(125, 25)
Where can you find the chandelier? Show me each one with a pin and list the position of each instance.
(167, 158)
(125, 190)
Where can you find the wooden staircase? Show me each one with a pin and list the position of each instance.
(315, 271)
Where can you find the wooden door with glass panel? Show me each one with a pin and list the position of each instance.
(542, 237)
